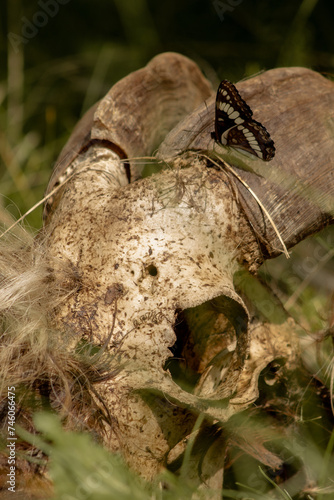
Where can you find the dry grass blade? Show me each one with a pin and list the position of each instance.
(230, 169)
(40, 202)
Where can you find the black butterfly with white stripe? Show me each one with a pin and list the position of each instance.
(235, 127)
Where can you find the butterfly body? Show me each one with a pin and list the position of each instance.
(235, 127)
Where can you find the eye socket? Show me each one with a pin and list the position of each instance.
(152, 270)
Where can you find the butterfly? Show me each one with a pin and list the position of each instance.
(235, 127)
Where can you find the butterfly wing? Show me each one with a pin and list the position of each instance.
(231, 109)
(235, 127)
(252, 137)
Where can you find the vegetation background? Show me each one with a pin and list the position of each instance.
(58, 57)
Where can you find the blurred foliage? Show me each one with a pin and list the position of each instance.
(82, 469)
(305, 282)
